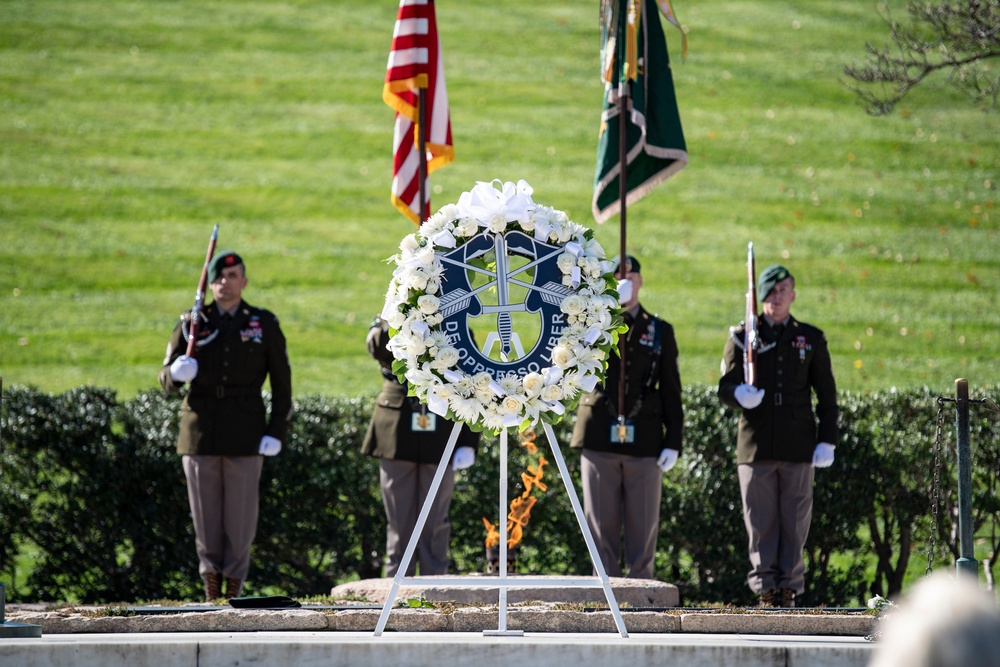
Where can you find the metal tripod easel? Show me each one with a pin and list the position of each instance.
(503, 582)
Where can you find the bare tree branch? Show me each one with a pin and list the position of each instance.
(962, 38)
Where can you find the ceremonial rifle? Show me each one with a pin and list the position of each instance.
(194, 323)
(750, 337)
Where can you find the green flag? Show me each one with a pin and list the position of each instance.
(656, 148)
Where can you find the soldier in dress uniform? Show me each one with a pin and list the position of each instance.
(225, 430)
(409, 440)
(625, 455)
(780, 441)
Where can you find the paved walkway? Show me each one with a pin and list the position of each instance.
(434, 649)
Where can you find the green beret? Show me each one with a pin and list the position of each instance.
(770, 277)
(631, 266)
(222, 260)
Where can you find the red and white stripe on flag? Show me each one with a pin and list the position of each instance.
(415, 63)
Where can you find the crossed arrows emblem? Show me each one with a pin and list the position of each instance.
(545, 292)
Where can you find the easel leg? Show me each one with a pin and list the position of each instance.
(587, 535)
(425, 510)
(502, 630)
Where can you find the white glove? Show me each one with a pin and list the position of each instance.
(823, 455)
(269, 446)
(463, 458)
(749, 396)
(183, 369)
(667, 460)
(624, 290)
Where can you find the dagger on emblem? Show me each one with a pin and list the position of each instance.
(503, 309)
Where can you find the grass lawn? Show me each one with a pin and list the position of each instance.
(129, 128)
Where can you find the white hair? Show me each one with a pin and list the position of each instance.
(941, 622)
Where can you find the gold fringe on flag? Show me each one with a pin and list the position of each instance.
(633, 18)
(668, 12)
(610, 15)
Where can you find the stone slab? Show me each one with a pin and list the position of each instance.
(628, 592)
(226, 620)
(542, 620)
(770, 623)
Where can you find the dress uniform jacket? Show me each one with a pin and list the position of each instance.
(390, 434)
(409, 454)
(790, 367)
(223, 413)
(659, 422)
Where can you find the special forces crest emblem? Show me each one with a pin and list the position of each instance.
(503, 351)
(501, 311)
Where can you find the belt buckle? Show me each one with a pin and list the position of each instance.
(220, 391)
(777, 398)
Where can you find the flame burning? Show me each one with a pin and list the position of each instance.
(520, 507)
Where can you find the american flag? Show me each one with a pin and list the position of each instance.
(415, 63)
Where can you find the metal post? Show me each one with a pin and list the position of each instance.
(966, 563)
(502, 630)
(10, 630)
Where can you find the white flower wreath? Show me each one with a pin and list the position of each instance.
(426, 355)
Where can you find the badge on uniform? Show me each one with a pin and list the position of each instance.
(623, 434)
(802, 346)
(648, 338)
(423, 421)
(253, 331)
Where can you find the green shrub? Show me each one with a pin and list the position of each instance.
(108, 510)
(94, 490)
(321, 514)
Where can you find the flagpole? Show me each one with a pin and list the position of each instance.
(622, 211)
(623, 174)
(623, 91)
(422, 149)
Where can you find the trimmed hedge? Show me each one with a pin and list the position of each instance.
(95, 500)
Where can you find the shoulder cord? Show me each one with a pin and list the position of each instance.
(761, 348)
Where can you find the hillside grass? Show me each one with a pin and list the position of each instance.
(128, 129)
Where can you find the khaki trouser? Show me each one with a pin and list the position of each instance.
(621, 494)
(777, 510)
(223, 492)
(405, 485)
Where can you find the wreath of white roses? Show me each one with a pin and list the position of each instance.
(424, 354)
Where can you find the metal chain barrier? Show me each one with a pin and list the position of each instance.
(935, 488)
(936, 483)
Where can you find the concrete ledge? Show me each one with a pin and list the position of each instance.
(544, 618)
